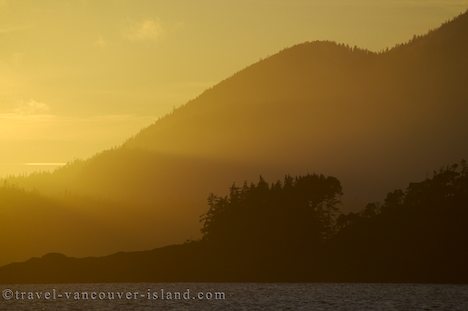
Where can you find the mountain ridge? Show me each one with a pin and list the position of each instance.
(374, 120)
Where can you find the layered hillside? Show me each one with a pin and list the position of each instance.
(374, 120)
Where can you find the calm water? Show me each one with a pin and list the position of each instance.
(249, 296)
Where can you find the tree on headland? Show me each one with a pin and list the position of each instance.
(295, 213)
(420, 233)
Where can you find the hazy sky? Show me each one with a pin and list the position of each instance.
(78, 76)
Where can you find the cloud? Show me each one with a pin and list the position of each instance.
(16, 58)
(6, 30)
(100, 42)
(145, 30)
(32, 107)
(104, 130)
(11, 29)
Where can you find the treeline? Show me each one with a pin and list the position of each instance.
(293, 229)
(301, 209)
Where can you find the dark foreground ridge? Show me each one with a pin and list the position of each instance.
(292, 231)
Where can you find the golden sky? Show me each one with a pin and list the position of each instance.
(78, 76)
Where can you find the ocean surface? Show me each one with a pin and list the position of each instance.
(237, 296)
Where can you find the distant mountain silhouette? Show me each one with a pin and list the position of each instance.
(374, 120)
